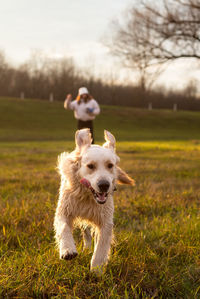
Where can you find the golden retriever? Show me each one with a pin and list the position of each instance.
(88, 178)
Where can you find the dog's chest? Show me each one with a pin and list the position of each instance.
(89, 210)
(83, 206)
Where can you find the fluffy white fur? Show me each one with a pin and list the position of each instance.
(89, 207)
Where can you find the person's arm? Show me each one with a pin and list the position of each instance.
(96, 108)
(68, 104)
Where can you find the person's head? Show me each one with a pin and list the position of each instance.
(83, 93)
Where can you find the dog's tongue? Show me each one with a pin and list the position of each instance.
(85, 182)
(101, 196)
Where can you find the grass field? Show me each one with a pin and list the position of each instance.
(156, 253)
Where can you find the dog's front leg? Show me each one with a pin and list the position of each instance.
(64, 238)
(102, 247)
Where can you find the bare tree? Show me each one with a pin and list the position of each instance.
(191, 90)
(127, 40)
(6, 75)
(154, 33)
(174, 28)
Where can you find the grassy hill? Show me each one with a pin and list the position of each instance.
(156, 224)
(41, 120)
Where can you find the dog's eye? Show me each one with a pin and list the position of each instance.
(110, 165)
(90, 166)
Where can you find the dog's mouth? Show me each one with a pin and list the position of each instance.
(100, 197)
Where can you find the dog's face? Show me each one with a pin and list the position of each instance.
(98, 165)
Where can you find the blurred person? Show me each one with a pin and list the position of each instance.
(85, 109)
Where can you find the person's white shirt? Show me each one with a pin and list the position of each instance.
(81, 109)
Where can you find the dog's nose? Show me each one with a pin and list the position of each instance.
(103, 185)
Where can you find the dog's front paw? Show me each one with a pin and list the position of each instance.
(68, 255)
(98, 270)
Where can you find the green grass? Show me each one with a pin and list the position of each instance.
(156, 253)
(28, 120)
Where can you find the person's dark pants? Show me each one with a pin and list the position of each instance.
(86, 124)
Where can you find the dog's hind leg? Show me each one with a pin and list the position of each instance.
(64, 238)
(87, 238)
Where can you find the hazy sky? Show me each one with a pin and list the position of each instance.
(58, 27)
(65, 28)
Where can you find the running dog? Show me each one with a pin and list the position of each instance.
(88, 179)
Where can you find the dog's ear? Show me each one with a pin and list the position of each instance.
(82, 139)
(123, 178)
(110, 140)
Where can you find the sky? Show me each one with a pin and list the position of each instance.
(70, 28)
(58, 27)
